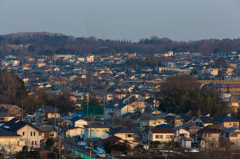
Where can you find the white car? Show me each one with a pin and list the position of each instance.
(100, 154)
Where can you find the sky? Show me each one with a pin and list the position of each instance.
(180, 20)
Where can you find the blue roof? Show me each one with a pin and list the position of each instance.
(226, 118)
(76, 118)
(112, 105)
(163, 126)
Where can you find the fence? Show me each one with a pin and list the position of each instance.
(78, 154)
(93, 110)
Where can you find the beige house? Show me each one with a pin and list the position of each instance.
(97, 131)
(13, 109)
(74, 131)
(29, 133)
(10, 141)
(122, 133)
(232, 136)
(208, 137)
(164, 135)
(227, 122)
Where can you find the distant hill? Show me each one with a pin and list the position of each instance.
(45, 43)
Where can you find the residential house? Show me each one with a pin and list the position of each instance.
(203, 121)
(151, 122)
(118, 109)
(74, 131)
(164, 135)
(47, 132)
(50, 112)
(5, 116)
(174, 121)
(208, 137)
(227, 121)
(77, 122)
(10, 141)
(232, 136)
(123, 133)
(97, 131)
(183, 136)
(12, 109)
(29, 133)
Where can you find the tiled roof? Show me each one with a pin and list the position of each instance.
(119, 130)
(4, 132)
(208, 130)
(162, 130)
(111, 139)
(226, 119)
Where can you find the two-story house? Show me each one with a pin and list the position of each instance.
(226, 121)
(208, 137)
(151, 122)
(231, 135)
(113, 109)
(164, 135)
(97, 131)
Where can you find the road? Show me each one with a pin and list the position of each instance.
(79, 148)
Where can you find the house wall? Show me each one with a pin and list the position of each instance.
(29, 138)
(15, 110)
(124, 136)
(127, 109)
(96, 132)
(166, 137)
(79, 123)
(182, 131)
(13, 142)
(52, 115)
(75, 132)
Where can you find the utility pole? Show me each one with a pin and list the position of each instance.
(149, 143)
(90, 137)
(55, 116)
(42, 115)
(60, 144)
(22, 107)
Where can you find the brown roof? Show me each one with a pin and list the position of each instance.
(112, 139)
(219, 127)
(162, 130)
(233, 100)
(208, 130)
(7, 106)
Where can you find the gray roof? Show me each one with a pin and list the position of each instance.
(230, 130)
(119, 130)
(4, 132)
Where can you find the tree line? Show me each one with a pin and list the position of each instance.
(60, 43)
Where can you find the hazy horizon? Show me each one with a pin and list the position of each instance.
(131, 20)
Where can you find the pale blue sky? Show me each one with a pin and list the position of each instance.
(124, 19)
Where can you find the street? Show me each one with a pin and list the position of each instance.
(79, 148)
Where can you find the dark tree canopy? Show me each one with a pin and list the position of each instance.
(12, 88)
(182, 99)
(183, 80)
(31, 48)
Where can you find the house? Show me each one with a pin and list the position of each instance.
(13, 109)
(174, 121)
(29, 133)
(233, 103)
(231, 135)
(119, 109)
(227, 121)
(151, 122)
(208, 137)
(50, 112)
(183, 136)
(203, 121)
(97, 131)
(77, 122)
(10, 141)
(47, 132)
(122, 133)
(164, 135)
(5, 116)
(137, 103)
(74, 131)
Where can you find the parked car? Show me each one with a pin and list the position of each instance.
(100, 154)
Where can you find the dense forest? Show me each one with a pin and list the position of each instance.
(49, 43)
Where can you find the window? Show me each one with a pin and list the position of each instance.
(234, 135)
(159, 136)
(129, 135)
(35, 142)
(32, 142)
(34, 133)
(169, 136)
(23, 133)
(31, 133)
